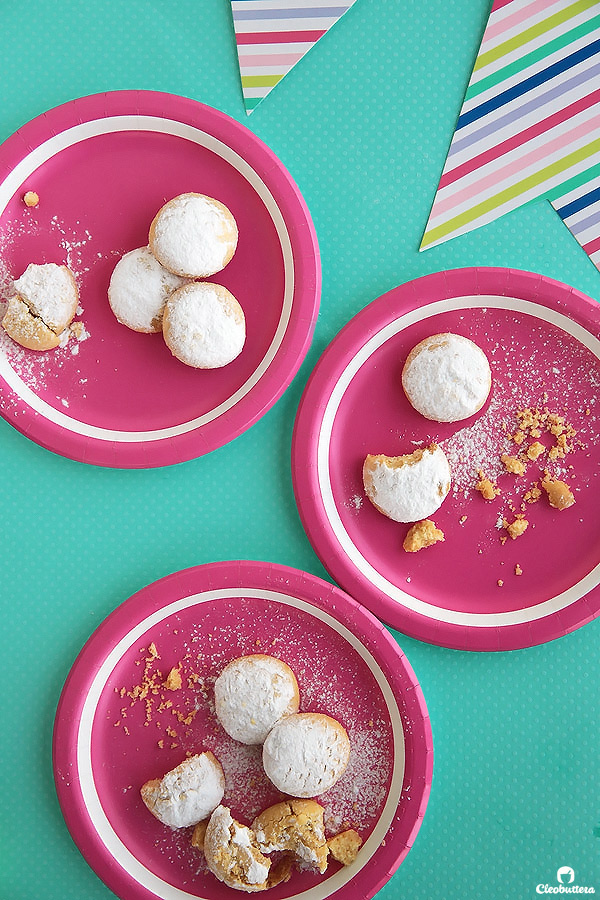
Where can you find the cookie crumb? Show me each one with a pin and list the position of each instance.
(344, 846)
(486, 487)
(513, 465)
(173, 680)
(499, 582)
(422, 534)
(559, 494)
(535, 450)
(515, 529)
(31, 199)
(518, 569)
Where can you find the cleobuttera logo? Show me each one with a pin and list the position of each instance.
(565, 877)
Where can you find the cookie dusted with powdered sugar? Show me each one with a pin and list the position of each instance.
(42, 306)
(193, 235)
(204, 325)
(306, 754)
(252, 694)
(232, 853)
(446, 377)
(138, 290)
(410, 487)
(188, 793)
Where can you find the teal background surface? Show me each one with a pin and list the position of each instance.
(363, 124)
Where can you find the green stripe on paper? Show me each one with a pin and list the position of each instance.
(260, 80)
(530, 59)
(251, 102)
(510, 193)
(576, 182)
(533, 32)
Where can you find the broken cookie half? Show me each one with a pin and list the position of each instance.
(43, 304)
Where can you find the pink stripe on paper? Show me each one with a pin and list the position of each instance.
(592, 246)
(500, 4)
(477, 162)
(278, 37)
(269, 59)
(491, 181)
(516, 18)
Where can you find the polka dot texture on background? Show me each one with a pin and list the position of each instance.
(363, 124)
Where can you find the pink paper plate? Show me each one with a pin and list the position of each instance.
(102, 167)
(108, 740)
(479, 589)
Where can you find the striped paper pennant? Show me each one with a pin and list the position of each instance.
(273, 35)
(529, 126)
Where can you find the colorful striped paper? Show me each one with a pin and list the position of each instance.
(530, 123)
(273, 35)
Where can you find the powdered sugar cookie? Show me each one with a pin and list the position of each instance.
(138, 290)
(410, 487)
(188, 793)
(305, 754)
(232, 853)
(446, 377)
(204, 325)
(43, 304)
(295, 826)
(193, 235)
(252, 694)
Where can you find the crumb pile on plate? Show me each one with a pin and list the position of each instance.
(304, 755)
(153, 288)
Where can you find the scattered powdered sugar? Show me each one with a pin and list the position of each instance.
(477, 447)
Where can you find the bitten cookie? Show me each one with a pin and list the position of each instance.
(188, 793)
(43, 304)
(446, 377)
(193, 235)
(252, 694)
(138, 290)
(305, 754)
(232, 853)
(410, 487)
(204, 325)
(295, 826)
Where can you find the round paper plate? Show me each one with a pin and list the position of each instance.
(118, 726)
(479, 589)
(102, 166)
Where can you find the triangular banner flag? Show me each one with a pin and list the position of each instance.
(529, 126)
(273, 35)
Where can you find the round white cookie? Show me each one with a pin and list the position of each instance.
(252, 694)
(305, 754)
(193, 235)
(188, 793)
(138, 290)
(204, 325)
(410, 487)
(446, 377)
